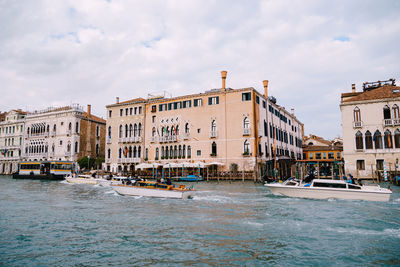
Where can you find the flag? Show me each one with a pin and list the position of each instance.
(389, 141)
(126, 152)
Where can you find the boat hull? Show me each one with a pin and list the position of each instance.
(321, 193)
(149, 192)
(82, 180)
(38, 176)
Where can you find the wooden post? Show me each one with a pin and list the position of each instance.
(318, 169)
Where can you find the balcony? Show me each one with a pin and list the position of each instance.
(53, 134)
(108, 160)
(51, 154)
(168, 139)
(396, 122)
(357, 124)
(246, 131)
(67, 154)
(213, 134)
(128, 160)
(108, 140)
(387, 122)
(186, 136)
(153, 139)
(68, 132)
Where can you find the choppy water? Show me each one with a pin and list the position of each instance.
(55, 223)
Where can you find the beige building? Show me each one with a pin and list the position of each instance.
(11, 140)
(234, 128)
(371, 129)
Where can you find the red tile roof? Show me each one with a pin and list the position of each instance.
(383, 92)
(93, 117)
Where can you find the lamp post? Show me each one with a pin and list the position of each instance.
(89, 163)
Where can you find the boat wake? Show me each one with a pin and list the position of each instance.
(64, 182)
(215, 198)
(111, 192)
(389, 232)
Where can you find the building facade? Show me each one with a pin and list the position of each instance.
(232, 128)
(371, 129)
(65, 133)
(11, 140)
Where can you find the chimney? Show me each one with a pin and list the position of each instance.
(265, 83)
(117, 100)
(353, 88)
(292, 111)
(223, 76)
(89, 108)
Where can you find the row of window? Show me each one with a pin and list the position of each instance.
(42, 148)
(10, 141)
(324, 155)
(130, 130)
(9, 129)
(214, 100)
(41, 129)
(376, 141)
(388, 113)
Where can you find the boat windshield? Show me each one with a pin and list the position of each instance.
(352, 186)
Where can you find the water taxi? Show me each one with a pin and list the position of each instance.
(188, 178)
(112, 181)
(82, 179)
(47, 170)
(153, 189)
(326, 189)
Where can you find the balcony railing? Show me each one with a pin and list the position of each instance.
(186, 136)
(108, 140)
(128, 160)
(387, 122)
(396, 122)
(68, 132)
(246, 131)
(53, 134)
(357, 124)
(168, 139)
(108, 160)
(153, 139)
(213, 134)
(67, 154)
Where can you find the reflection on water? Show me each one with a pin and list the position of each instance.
(56, 223)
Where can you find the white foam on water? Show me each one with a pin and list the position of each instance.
(64, 182)
(214, 198)
(386, 232)
(396, 200)
(256, 224)
(109, 192)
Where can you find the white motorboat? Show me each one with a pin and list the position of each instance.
(153, 189)
(116, 180)
(325, 189)
(82, 179)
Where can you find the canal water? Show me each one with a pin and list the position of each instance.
(59, 224)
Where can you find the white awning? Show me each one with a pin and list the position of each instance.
(215, 163)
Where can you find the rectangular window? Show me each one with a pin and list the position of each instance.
(198, 152)
(214, 100)
(140, 110)
(324, 155)
(175, 105)
(331, 155)
(360, 165)
(197, 102)
(160, 107)
(187, 104)
(126, 112)
(109, 113)
(120, 112)
(379, 164)
(257, 99)
(153, 119)
(130, 111)
(153, 108)
(338, 155)
(246, 96)
(317, 155)
(263, 104)
(311, 155)
(169, 106)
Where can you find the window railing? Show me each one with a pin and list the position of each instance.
(246, 131)
(213, 134)
(186, 136)
(108, 160)
(387, 122)
(357, 124)
(396, 122)
(153, 139)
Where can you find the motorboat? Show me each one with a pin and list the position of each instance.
(115, 180)
(153, 189)
(82, 179)
(326, 189)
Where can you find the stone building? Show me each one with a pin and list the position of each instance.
(371, 129)
(226, 127)
(64, 133)
(11, 140)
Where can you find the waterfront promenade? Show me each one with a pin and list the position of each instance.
(227, 223)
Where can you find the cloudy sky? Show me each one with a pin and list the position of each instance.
(90, 51)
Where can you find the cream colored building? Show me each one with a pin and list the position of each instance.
(371, 129)
(11, 140)
(225, 126)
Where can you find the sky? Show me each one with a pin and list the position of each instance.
(55, 53)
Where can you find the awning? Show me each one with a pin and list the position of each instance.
(215, 163)
(147, 165)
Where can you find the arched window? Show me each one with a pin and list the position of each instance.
(68, 147)
(109, 153)
(162, 152)
(167, 131)
(388, 139)
(246, 147)
(386, 112)
(177, 130)
(172, 130)
(130, 130)
(139, 151)
(180, 151)
(157, 151)
(70, 126)
(126, 130)
(213, 126)
(48, 128)
(135, 130)
(187, 128)
(171, 152)
(120, 153)
(175, 151)
(27, 130)
(378, 140)
(97, 130)
(126, 152)
(246, 123)
(109, 131)
(134, 151)
(77, 127)
(395, 109)
(54, 128)
(214, 149)
(153, 132)
(97, 149)
(76, 147)
(183, 151)
(368, 140)
(166, 152)
(357, 114)
(162, 131)
(130, 151)
(140, 129)
(189, 152)
(359, 140)
(120, 131)
(397, 138)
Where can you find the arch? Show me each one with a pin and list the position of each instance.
(120, 131)
(135, 130)
(109, 153)
(357, 114)
(139, 151)
(180, 151)
(126, 130)
(48, 128)
(173, 130)
(140, 129)
(70, 126)
(177, 130)
(162, 131)
(119, 152)
(27, 130)
(386, 112)
(359, 140)
(76, 147)
(109, 131)
(175, 151)
(166, 152)
(130, 130)
(187, 129)
(130, 151)
(395, 109)
(189, 152)
(157, 151)
(246, 123)
(134, 151)
(153, 132)
(54, 128)
(171, 152)
(167, 131)
(397, 138)
(368, 140)
(183, 151)
(77, 127)
(213, 126)
(378, 140)
(388, 139)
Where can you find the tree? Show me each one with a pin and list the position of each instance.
(84, 163)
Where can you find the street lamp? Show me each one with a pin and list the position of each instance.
(89, 163)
